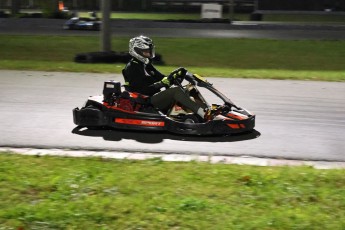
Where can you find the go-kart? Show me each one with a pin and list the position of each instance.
(77, 23)
(121, 109)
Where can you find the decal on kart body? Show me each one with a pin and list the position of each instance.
(200, 78)
(237, 126)
(140, 122)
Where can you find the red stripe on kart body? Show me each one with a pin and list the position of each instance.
(234, 126)
(148, 123)
(237, 126)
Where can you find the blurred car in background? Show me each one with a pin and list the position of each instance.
(77, 23)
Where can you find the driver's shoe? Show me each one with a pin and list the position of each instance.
(210, 114)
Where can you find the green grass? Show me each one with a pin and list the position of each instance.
(147, 16)
(309, 18)
(237, 16)
(163, 16)
(247, 58)
(93, 193)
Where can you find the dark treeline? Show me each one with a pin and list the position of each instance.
(183, 5)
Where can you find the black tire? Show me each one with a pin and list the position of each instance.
(191, 118)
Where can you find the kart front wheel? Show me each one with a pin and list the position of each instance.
(191, 119)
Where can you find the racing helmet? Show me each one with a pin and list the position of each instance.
(142, 48)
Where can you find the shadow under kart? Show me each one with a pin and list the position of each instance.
(159, 137)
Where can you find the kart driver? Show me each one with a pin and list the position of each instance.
(142, 77)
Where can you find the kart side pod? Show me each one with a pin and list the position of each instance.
(111, 88)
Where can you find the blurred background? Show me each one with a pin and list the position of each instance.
(257, 8)
(183, 5)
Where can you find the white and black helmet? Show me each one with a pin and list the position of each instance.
(139, 45)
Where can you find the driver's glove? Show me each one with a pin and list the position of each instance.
(177, 73)
(166, 82)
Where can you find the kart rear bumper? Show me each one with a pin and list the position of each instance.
(88, 117)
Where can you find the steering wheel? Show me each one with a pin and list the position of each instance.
(177, 76)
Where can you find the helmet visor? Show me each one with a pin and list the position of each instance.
(147, 53)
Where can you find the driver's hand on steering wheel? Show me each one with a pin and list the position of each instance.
(166, 82)
(177, 73)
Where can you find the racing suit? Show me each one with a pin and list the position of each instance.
(146, 79)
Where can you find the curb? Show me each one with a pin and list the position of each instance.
(238, 160)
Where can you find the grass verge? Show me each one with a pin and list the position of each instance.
(92, 193)
(337, 76)
(248, 58)
(237, 16)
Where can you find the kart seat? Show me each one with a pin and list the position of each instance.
(135, 97)
(132, 101)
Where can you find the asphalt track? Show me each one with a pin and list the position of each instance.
(302, 120)
(130, 28)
